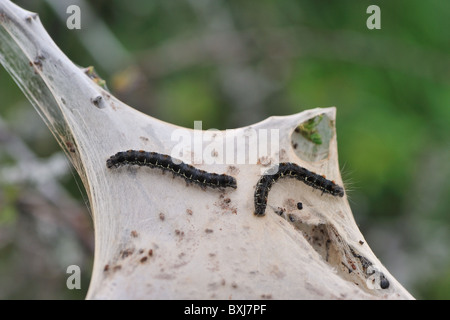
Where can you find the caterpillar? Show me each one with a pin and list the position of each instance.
(291, 170)
(177, 167)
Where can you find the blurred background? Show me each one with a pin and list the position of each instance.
(230, 64)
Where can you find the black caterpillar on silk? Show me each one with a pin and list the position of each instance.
(177, 167)
(291, 170)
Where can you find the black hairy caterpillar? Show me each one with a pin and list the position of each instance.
(177, 167)
(291, 170)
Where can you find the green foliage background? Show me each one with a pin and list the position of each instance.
(233, 63)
